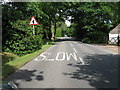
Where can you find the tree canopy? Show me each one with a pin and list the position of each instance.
(90, 21)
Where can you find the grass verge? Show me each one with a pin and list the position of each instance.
(13, 65)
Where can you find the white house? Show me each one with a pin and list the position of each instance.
(113, 35)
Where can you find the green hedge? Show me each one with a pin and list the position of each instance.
(24, 46)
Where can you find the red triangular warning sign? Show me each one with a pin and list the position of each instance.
(33, 21)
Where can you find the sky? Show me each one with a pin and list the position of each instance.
(68, 23)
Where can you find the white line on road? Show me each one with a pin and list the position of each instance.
(74, 50)
(71, 55)
(63, 58)
(82, 61)
(71, 45)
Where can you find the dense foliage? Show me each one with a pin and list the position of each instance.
(93, 20)
(16, 26)
(90, 22)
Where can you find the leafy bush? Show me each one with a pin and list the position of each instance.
(59, 32)
(26, 45)
(23, 41)
(86, 40)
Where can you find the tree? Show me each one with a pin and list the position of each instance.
(91, 19)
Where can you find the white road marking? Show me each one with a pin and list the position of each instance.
(63, 58)
(71, 45)
(36, 59)
(83, 63)
(75, 50)
(69, 56)
(49, 59)
(59, 57)
(42, 55)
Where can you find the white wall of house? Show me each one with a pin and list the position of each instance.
(113, 36)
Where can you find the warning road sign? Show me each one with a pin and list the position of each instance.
(33, 21)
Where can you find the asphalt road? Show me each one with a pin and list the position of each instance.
(69, 64)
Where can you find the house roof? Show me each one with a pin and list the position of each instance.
(116, 30)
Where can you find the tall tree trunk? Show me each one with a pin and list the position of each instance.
(54, 26)
(53, 32)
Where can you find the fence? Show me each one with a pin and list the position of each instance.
(115, 40)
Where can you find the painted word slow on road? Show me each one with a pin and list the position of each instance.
(61, 56)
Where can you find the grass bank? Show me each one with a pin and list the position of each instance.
(18, 62)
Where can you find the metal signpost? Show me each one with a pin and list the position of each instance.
(33, 30)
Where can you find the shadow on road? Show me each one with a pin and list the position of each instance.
(101, 71)
(24, 75)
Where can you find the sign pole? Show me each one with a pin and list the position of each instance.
(33, 30)
(33, 22)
